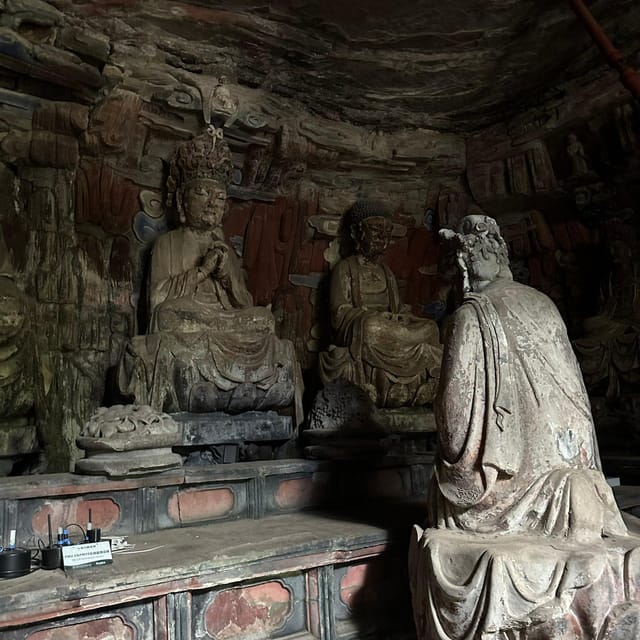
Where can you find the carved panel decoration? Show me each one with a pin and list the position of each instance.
(248, 612)
(101, 629)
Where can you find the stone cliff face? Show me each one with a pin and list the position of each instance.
(428, 107)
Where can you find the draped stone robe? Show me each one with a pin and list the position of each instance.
(524, 538)
(516, 436)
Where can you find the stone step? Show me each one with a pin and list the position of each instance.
(196, 495)
(329, 575)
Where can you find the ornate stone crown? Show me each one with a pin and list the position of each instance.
(205, 156)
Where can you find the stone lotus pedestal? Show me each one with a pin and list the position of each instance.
(128, 441)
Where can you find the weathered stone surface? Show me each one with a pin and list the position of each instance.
(258, 610)
(224, 577)
(113, 626)
(17, 438)
(128, 440)
(127, 428)
(198, 505)
(320, 103)
(129, 463)
(105, 513)
(379, 65)
(20, 378)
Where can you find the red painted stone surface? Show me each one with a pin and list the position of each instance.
(313, 603)
(278, 242)
(248, 613)
(364, 588)
(105, 512)
(105, 198)
(296, 493)
(352, 581)
(119, 265)
(114, 628)
(197, 505)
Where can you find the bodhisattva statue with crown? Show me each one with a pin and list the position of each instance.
(208, 347)
(378, 344)
(524, 540)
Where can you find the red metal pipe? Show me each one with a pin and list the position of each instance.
(629, 78)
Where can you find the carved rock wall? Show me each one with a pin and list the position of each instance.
(557, 210)
(94, 98)
(91, 110)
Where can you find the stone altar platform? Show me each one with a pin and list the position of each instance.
(302, 575)
(222, 552)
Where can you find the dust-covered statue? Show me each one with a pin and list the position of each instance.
(378, 344)
(524, 539)
(208, 348)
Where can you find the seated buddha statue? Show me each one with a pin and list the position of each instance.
(208, 347)
(378, 344)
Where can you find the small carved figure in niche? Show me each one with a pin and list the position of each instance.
(521, 517)
(221, 99)
(379, 345)
(209, 348)
(626, 125)
(579, 163)
(609, 350)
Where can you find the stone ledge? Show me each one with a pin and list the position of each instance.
(199, 495)
(60, 484)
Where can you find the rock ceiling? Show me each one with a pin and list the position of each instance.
(455, 65)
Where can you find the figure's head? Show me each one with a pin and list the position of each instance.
(202, 203)
(370, 227)
(198, 179)
(481, 251)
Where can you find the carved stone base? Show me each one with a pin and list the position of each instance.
(331, 444)
(119, 464)
(409, 420)
(221, 428)
(346, 425)
(497, 587)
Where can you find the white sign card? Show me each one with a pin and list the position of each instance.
(90, 554)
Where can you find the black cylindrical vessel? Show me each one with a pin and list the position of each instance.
(15, 562)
